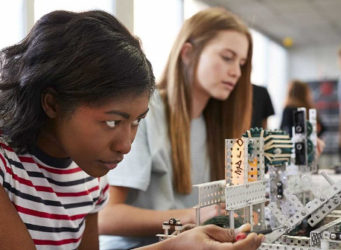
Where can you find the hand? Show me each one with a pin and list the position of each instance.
(211, 237)
(211, 211)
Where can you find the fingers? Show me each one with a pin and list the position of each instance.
(220, 234)
(252, 241)
(225, 234)
(188, 227)
(215, 238)
(243, 228)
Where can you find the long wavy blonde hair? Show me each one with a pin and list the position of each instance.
(224, 119)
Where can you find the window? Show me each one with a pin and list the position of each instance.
(42, 7)
(269, 69)
(157, 29)
(12, 24)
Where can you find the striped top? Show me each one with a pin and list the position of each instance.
(52, 196)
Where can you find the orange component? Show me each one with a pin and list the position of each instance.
(252, 173)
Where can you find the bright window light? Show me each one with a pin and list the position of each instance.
(42, 7)
(11, 22)
(259, 58)
(157, 29)
(269, 69)
(277, 80)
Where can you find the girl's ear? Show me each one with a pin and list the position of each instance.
(49, 104)
(186, 53)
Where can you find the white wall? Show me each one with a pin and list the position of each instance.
(314, 63)
(270, 69)
(193, 6)
(277, 81)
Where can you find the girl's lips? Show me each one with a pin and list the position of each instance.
(110, 164)
(230, 85)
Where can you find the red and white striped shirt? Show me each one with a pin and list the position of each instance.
(52, 196)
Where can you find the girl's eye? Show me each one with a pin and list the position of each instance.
(112, 124)
(226, 58)
(137, 122)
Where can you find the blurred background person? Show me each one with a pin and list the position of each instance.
(299, 95)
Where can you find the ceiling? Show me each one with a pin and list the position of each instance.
(306, 22)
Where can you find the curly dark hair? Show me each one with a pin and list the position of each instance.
(84, 58)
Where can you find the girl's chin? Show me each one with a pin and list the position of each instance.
(222, 96)
(99, 172)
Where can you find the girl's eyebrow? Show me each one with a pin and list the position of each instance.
(120, 113)
(124, 114)
(144, 113)
(229, 50)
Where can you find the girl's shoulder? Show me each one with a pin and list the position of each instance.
(5, 148)
(156, 98)
(155, 122)
(156, 105)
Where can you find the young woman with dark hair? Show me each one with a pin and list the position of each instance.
(72, 94)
